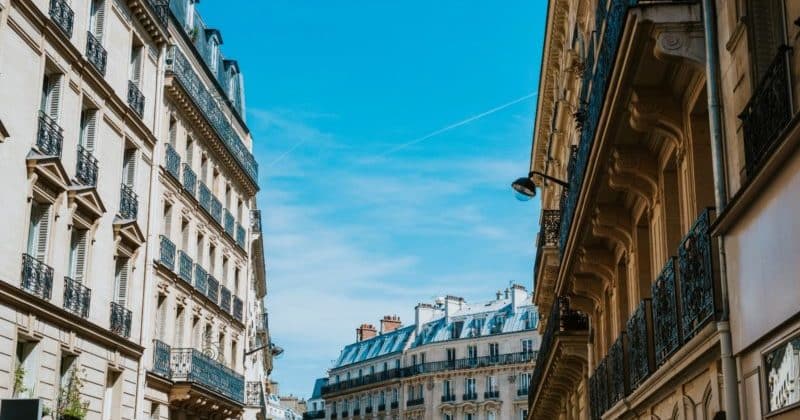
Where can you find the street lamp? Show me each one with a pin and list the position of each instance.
(526, 189)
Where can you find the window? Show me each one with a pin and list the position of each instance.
(166, 227)
(111, 400)
(469, 386)
(337, 381)
(455, 329)
(199, 251)
(767, 34)
(382, 398)
(121, 274)
(66, 368)
(51, 96)
(97, 14)
(468, 416)
(88, 131)
(447, 388)
(161, 315)
(490, 415)
(360, 373)
(494, 350)
(523, 414)
(782, 370)
(137, 50)
(77, 254)
(224, 267)
(129, 167)
(478, 326)
(215, 182)
(419, 392)
(447, 416)
(212, 260)
(38, 231)
(422, 358)
(184, 234)
(472, 352)
(189, 150)
(451, 355)
(527, 346)
(234, 351)
(491, 383)
(523, 383)
(26, 367)
(413, 359)
(385, 366)
(372, 370)
(236, 281)
(190, 15)
(154, 411)
(227, 196)
(395, 395)
(197, 338)
(173, 131)
(208, 336)
(180, 322)
(530, 320)
(214, 58)
(497, 324)
(410, 392)
(397, 364)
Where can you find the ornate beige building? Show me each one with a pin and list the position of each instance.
(457, 361)
(133, 255)
(665, 150)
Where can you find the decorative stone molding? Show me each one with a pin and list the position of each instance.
(682, 44)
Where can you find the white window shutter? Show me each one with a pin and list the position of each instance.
(161, 313)
(173, 131)
(80, 257)
(179, 327)
(122, 282)
(43, 230)
(91, 130)
(168, 222)
(54, 96)
(130, 167)
(189, 150)
(136, 65)
(99, 19)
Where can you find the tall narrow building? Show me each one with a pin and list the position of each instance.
(133, 258)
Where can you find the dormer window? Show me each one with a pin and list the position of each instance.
(190, 15)
(214, 54)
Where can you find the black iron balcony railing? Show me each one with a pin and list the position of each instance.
(213, 289)
(128, 203)
(161, 356)
(640, 362)
(95, 53)
(368, 410)
(120, 322)
(204, 196)
(181, 68)
(382, 407)
(167, 253)
(666, 336)
(225, 299)
(394, 405)
(562, 319)
(522, 391)
(334, 416)
(470, 396)
(489, 395)
(696, 262)
(617, 385)
(172, 161)
(215, 209)
(345, 414)
(185, 265)
(448, 398)
(432, 367)
(255, 221)
(190, 365)
(86, 167)
(598, 391)
(415, 402)
(135, 99)
(356, 412)
(238, 309)
(161, 10)
(62, 15)
(240, 234)
(768, 112)
(37, 277)
(548, 234)
(49, 137)
(253, 393)
(314, 415)
(230, 224)
(189, 179)
(200, 279)
(77, 297)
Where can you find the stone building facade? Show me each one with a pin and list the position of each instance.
(665, 151)
(133, 256)
(457, 361)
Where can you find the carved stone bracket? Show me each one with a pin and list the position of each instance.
(683, 44)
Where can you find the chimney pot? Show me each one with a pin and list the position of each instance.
(365, 332)
(390, 323)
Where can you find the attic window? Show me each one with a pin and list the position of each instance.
(214, 53)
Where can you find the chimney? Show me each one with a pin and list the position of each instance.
(452, 304)
(499, 293)
(390, 323)
(506, 293)
(365, 332)
(423, 313)
(519, 296)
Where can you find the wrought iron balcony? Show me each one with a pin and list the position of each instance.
(334, 415)
(185, 267)
(200, 279)
(37, 277)
(213, 289)
(448, 398)
(135, 99)
(238, 308)
(128, 203)
(488, 395)
(253, 393)
(382, 407)
(617, 385)
(394, 405)
(562, 320)
(368, 409)
(255, 221)
(86, 168)
(470, 396)
(598, 391)
(696, 262)
(161, 356)
(230, 224)
(189, 179)
(77, 297)
(640, 361)
(120, 321)
(95, 53)
(167, 253)
(49, 137)
(314, 415)
(345, 414)
(181, 68)
(240, 237)
(522, 391)
(215, 209)
(172, 160)
(62, 15)
(768, 112)
(666, 336)
(225, 299)
(161, 10)
(190, 365)
(415, 402)
(356, 412)
(204, 196)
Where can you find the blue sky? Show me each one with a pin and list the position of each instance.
(355, 227)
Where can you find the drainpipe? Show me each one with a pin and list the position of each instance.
(730, 382)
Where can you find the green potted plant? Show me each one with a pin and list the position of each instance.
(70, 406)
(19, 381)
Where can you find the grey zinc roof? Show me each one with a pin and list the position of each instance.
(475, 323)
(381, 345)
(318, 384)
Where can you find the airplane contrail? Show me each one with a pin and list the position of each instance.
(455, 125)
(286, 153)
